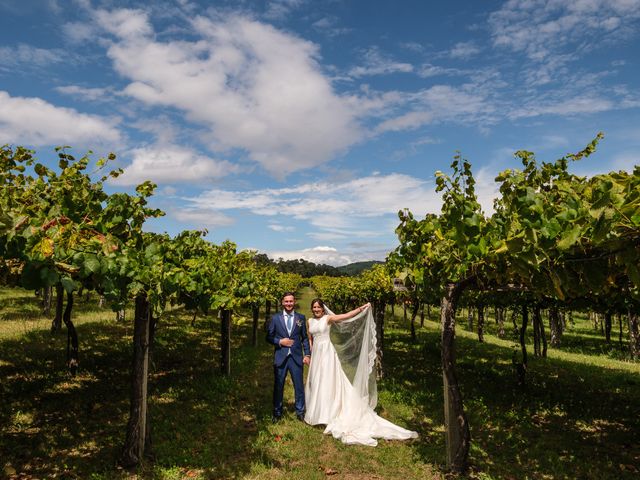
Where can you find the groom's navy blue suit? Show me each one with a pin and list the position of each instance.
(288, 358)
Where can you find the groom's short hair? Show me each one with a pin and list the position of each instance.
(288, 294)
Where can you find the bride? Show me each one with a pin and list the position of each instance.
(341, 386)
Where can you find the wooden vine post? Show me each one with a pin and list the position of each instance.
(458, 437)
(136, 438)
(255, 313)
(225, 342)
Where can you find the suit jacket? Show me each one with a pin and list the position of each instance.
(278, 329)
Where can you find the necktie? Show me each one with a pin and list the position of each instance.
(289, 322)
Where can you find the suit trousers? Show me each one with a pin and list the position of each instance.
(280, 374)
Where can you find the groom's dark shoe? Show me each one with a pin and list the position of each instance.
(300, 416)
(275, 419)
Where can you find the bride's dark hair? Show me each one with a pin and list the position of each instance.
(318, 301)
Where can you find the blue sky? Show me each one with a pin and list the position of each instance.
(299, 128)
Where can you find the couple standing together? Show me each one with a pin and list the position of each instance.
(341, 387)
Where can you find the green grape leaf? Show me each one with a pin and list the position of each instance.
(570, 238)
(91, 264)
(68, 284)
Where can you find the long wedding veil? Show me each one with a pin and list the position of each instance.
(355, 342)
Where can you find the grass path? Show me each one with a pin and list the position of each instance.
(576, 418)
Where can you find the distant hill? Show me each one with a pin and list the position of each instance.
(300, 266)
(357, 267)
(309, 269)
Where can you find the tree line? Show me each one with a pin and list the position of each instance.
(307, 269)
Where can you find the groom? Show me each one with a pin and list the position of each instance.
(288, 333)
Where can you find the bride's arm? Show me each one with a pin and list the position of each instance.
(346, 316)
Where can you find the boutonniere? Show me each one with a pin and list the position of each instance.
(299, 323)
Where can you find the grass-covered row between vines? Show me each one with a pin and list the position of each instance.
(575, 418)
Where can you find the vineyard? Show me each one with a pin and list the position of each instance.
(473, 297)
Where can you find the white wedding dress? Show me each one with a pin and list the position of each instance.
(332, 400)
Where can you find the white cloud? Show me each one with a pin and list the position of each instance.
(377, 63)
(92, 94)
(53, 6)
(280, 228)
(336, 256)
(571, 106)
(468, 103)
(487, 189)
(130, 24)
(256, 88)
(428, 70)
(279, 9)
(407, 121)
(414, 147)
(172, 164)
(161, 127)
(328, 26)
(320, 254)
(539, 27)
(202, 218)
(464, 50)
(30, 56)
(374, 103)
(553, 67)
(323, 23)
(558, 39)
(412, 46)
(34, 121)
(78, 32)
(334, 210)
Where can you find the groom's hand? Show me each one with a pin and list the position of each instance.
(306, 360)
(286, 342)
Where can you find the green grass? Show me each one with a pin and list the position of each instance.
(577, 417)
